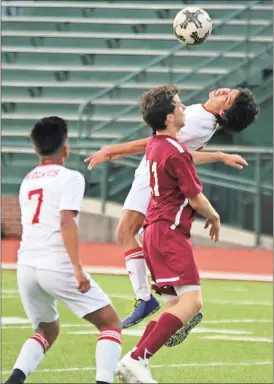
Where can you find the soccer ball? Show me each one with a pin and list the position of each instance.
(192, 26)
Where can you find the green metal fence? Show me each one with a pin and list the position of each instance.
(232, 193)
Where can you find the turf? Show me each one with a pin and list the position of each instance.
(231, 310)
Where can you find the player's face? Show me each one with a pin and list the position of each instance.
(223, 98)
(179, 113)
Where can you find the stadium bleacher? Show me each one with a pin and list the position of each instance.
(56, 57)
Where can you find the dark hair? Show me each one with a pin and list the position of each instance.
(241, 114)
(156, 104)
(49, 134)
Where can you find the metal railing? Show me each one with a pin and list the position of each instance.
(87, 106)
(187, 99)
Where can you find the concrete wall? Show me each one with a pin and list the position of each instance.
(95, 227)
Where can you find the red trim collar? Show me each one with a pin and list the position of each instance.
(47, 163)
(205, 108)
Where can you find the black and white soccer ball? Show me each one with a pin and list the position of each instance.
(192, 26)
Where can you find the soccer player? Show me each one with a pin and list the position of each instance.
(49, 266)
(176, 193)
(233, 110)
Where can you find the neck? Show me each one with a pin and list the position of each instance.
(52, 160)
(171, 131)
(210, 107)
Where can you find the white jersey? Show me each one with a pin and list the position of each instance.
(44, 192)
(200, 126)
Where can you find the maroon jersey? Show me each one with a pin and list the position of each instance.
(173, 179)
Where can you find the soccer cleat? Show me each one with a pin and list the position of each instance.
(181, 335)
(14, 380)
(17, 377)
(141, 310)
(134, 371)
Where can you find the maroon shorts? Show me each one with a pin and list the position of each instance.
(169, 257)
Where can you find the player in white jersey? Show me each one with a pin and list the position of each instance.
(233, 110)
(49, 267)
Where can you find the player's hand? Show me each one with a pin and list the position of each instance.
(99, 157)
(215, 226)
(83, 281)
(235, 161)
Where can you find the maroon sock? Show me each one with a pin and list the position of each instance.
(166, 326)
(147, 331)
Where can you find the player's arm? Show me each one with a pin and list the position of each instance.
(191, 187)
(69, 231)
(235, 161)
(113, 152)
(70, 204)
(202, 205)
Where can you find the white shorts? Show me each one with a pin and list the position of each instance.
(139, 194)
(40, 290)
(180, 290)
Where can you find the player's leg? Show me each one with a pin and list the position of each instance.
(108, 347)
(134, 366)
(182, 333)
(170, 259)
(40, 309)
(145, 304)
(95, 307)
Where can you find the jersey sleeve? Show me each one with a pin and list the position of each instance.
(184, 170)
(199, 127)
(72, 192)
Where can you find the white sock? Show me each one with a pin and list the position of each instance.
(108, 352)
(31, 354)
(137, 271)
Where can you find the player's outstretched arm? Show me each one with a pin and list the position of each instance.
(69, 231)
(113, 152)
(235, 161)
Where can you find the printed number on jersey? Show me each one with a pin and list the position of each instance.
(38, 195)
(154, 185)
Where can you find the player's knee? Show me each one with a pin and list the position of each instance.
(125, 232)
(50, 331)
(116, 324)
(113, 322)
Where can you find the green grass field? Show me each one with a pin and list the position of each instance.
(233, 344)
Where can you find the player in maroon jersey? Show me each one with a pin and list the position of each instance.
(176, 193)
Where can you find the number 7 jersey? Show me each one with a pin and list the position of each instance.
(44, 193)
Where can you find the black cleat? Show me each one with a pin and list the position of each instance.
(182, 334)
(17, 377)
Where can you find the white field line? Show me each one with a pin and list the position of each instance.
(238, 338)
(139, 332)
(210, 301)
(236, 289)
(237, 321)
(186, 365)
(5, 325)
(203, 274)
(128, 332)
(213, 301)
(238, 302)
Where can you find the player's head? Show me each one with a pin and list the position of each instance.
(49, 136)
(237, 108)
(161, 107)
